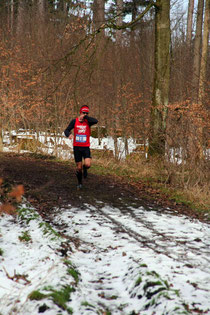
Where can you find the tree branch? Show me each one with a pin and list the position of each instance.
(111, 24)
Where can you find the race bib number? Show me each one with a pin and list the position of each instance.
(81, 138)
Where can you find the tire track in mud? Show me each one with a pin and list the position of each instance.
(151, 243)
(106, 239)
(110, 241)
(155, 243)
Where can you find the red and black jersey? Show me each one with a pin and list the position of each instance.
(81, 131)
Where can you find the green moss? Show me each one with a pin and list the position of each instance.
(151, 286)
(67, 262)
(143, 266)
(61, 297)
(74, 273)
(36, 295)
(86, 304)
(47, 229)
(25, 237)
(138, 281)
(27, 215)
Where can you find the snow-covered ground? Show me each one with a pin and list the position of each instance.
(139, 261)
(136, 262)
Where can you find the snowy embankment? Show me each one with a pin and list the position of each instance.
(61, 146)
(105, 262)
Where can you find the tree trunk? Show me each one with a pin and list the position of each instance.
(41, 9)
(98, 19)
(197, 50)
(202, 80)
(1, 139)
(98, 13)
(204, 53)
(190, 21)
(119, 21)
(20, 18)
(10, 16)
(134, 14)
(161, 78)
(118, 75)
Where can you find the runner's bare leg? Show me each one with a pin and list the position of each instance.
(87, 164)
(79, 172)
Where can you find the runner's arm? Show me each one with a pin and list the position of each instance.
(91, 120)
(67, 131)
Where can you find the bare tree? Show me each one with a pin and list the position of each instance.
(204, 54)
(41, 8)
(197, 50)
(161, 78)
(119, 21)
(190, 21)
(20, 17)
(98, 20)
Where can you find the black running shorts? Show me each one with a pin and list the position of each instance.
(81, 152)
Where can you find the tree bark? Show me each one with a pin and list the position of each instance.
(190, 21)
(161, 78)
(197, 50)
(98, 13)
(118, 73)
(20, 17)
(98, 20)
(119, 21)
(204, 53)
(1, 139)
(41, 8)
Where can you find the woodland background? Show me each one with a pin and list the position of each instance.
(58, 55)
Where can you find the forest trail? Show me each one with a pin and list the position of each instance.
(49, 184)
(115, 232)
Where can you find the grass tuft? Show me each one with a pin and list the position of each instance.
(74, 273)
(25, 237)
(36, 295)
(47, 229)
(59, 297)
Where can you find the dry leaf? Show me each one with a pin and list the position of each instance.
(8, 209)
(17, 192)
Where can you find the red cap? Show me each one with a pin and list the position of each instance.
(85, 109)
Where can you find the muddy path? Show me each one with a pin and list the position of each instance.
(49, 184)
(110, 230)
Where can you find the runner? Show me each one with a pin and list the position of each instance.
(81, 143)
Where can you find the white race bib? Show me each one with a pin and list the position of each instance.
(81, 138)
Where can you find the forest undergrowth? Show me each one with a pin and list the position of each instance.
(182, 185)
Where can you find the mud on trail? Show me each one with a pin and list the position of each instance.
(50, 184)
(125, 242)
